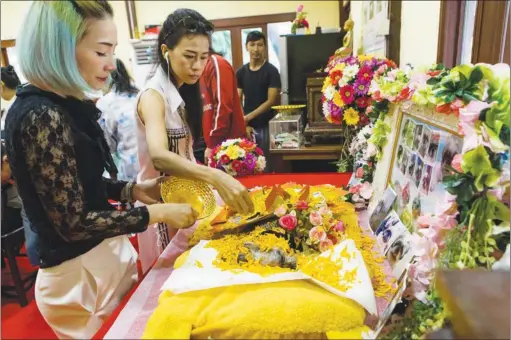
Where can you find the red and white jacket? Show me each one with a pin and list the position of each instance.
(223, 114)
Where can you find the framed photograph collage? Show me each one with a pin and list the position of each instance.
(422, 152)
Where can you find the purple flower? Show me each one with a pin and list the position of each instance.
(335, 111)
(371, 63)
(361, 87)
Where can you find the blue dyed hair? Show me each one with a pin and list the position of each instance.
(47, 43)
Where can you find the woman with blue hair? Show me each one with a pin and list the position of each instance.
(57, 153)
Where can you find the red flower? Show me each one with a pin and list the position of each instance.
(332, 238)
(405, 94)
(347, 94)
(301, 205)
(445, 108)
(390, 63)
(246, 144)
(365, 73)
(236, 165)
(434, 73)
(363, 102)
(224, 159)
(259, 151)
(335, 76)
(456, 105)
(364, 120)
(288, 222)
(377, 96)
(244, 169)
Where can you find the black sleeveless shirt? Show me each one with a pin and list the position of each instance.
(58, 154)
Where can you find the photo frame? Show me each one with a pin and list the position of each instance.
(424, 144)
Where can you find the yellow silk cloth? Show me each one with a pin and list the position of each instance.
(289, 309)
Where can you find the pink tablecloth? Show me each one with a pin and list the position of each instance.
(131, 322)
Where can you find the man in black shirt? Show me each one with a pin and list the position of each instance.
(259, 89)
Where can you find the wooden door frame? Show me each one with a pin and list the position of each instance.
(8, 43)
(235, 25)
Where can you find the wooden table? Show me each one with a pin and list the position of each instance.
(281, 157)
(479, 302)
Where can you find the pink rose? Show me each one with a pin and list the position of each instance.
(317, 234)
(301, 205)
(354, 189)
(300, 8)
(288, 222)
(325, 245)
(456, 162)
(315, 218)
(280, 211)
(325, 212)
(359, 173)
(339, 227)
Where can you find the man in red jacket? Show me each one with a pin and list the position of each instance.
(223, 115)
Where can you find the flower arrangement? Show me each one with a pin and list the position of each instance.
(310, 227)
(300, 20)
(346, 89)
(471, 227)
(238, 157)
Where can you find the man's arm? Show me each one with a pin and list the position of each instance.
(273, 95)
(221, 84)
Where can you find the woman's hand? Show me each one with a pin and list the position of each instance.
(177, 216)
(234, 194)
(148, 192)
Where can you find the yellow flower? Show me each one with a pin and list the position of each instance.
(233, 151)
(326, 84)
(340, 66)
(364, 57)
(337, 99)
(351, 116)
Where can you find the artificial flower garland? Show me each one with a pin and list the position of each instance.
(478, 185)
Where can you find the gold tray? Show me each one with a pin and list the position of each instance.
(196, 193)
(288, 109)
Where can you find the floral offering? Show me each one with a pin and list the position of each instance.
(310, 228)
(345, 91)
(238, 157)
(300, 21)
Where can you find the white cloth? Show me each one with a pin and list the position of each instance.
(77, 296)
(119, 123)
(178, 136)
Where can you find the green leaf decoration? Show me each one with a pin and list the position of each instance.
(476, 76)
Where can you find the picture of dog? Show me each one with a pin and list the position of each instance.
(411, 165)
(382, 208)
(426, 179)
(417, 137)
(433, 146)
(418, 171)
(424, 145)
(400, 150)
(404, 164)
(453, 146)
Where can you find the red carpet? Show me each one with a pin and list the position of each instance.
(26, 322)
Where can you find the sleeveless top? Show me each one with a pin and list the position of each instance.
(178, 134)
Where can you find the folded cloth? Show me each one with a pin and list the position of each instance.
(288, 309)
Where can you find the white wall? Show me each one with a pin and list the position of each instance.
(420, 22)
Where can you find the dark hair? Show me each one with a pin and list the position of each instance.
(121, 80)
(213, 52)
(10, 78)
(256, 36)
(181, 23)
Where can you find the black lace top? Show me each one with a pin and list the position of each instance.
(57, 154)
